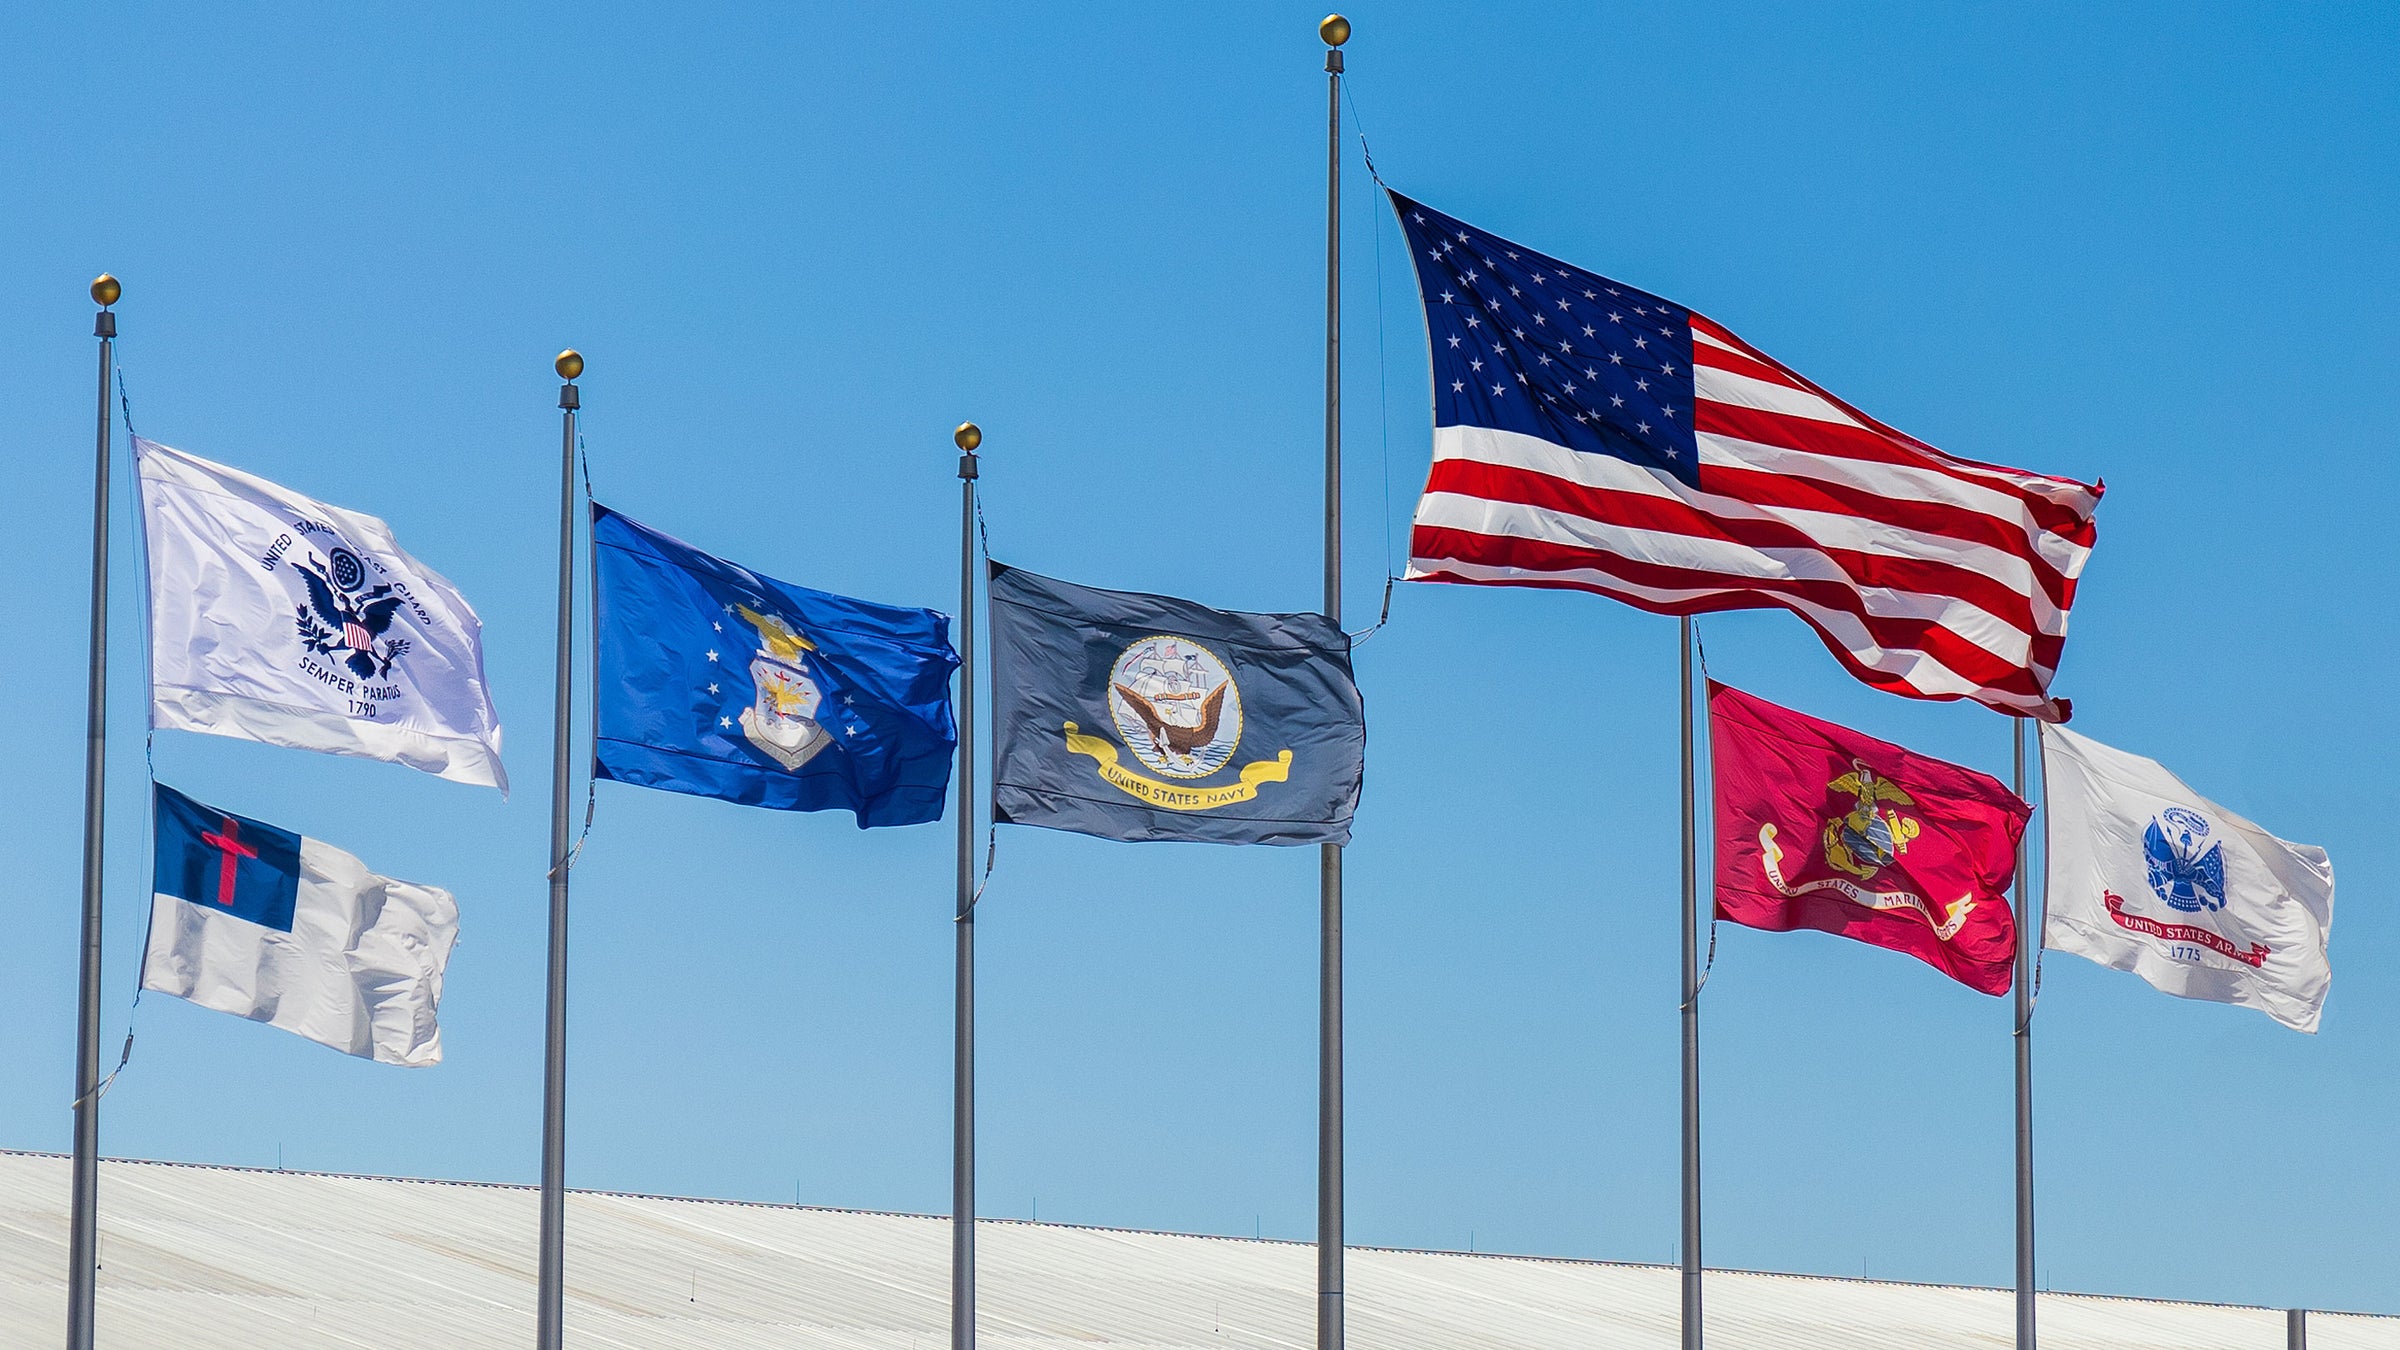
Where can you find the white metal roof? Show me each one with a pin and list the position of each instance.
(198, 1258)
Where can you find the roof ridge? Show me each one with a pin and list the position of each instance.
(1174, 1233)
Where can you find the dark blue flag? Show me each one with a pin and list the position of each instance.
(1142, 717)
(223, 862)
(723, 683)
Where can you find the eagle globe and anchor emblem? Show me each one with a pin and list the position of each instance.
(1862, 841)
(1176, 705)
(1869, 837)
(782, 718)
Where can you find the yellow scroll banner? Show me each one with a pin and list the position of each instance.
(1168, 795)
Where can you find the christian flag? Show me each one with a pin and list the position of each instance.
(256, 921)
(1821, 827)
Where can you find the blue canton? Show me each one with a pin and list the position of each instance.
(1523, 342)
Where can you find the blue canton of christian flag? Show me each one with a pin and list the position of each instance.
(226, 863)
(720, 682)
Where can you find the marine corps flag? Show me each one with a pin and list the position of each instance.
(1821, 827)
(1140, 717)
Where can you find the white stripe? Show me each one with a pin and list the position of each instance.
(1918, 670)
(1485, 445)
(1748, 391)
(1515, 520)
(2058, 492)
(1896, 482)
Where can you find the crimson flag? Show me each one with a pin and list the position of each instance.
(1821, 827)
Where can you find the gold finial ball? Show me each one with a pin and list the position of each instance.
(569, 363)
(105, 290)
(968, 436)
(1335, 30)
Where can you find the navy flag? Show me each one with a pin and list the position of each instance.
(720, 682)
(1141, 717)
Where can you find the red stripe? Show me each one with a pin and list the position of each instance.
(1785, 492)
(1717, 358)
(1857, 443)
(1635, 510)
(1964, 658)
(2000, 700)
(2088, 495)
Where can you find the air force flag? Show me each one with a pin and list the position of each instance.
(1142, 717)
(720, 682)
(2149, 876)
(258, 922)
(278, 618)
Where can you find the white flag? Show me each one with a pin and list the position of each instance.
(259, 922)
(280, 619)
(2149, 876)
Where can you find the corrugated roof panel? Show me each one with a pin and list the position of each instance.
(202, 1258)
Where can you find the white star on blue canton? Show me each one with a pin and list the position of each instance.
(712, 656)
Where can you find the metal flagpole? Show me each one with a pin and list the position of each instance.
(1335, 30)
(550, 1315)
(1691, 1014)
(83, 1242)
(2029, 939)
(962, 1116)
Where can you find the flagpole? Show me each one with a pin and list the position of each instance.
(962, 1116)
(1334, 30)
(2029, 939)
(550, 1312)
(1691, 1012)
(83, 1243)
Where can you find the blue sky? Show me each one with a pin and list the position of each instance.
(2149, 244)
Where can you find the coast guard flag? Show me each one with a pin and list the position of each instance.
(2149, 876)
(1141, 717)
(720, 682)
(1593, 436)
(278, 618)
(261, 923)
(1821, 827)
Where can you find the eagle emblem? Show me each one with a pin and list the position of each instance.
(1871, 835)
(345, 619)
(1176, 706)
(782, 719)
(2185, 869)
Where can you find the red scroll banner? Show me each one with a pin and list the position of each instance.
(2178, 932)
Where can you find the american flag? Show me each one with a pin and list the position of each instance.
(1590, 435)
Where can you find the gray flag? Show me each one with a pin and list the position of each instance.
(1141, 717)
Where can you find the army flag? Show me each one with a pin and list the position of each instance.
(1142, 717)
(278, 618)
(1820, 827)
(259, 922)
(2149, 876)
(720, 682)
